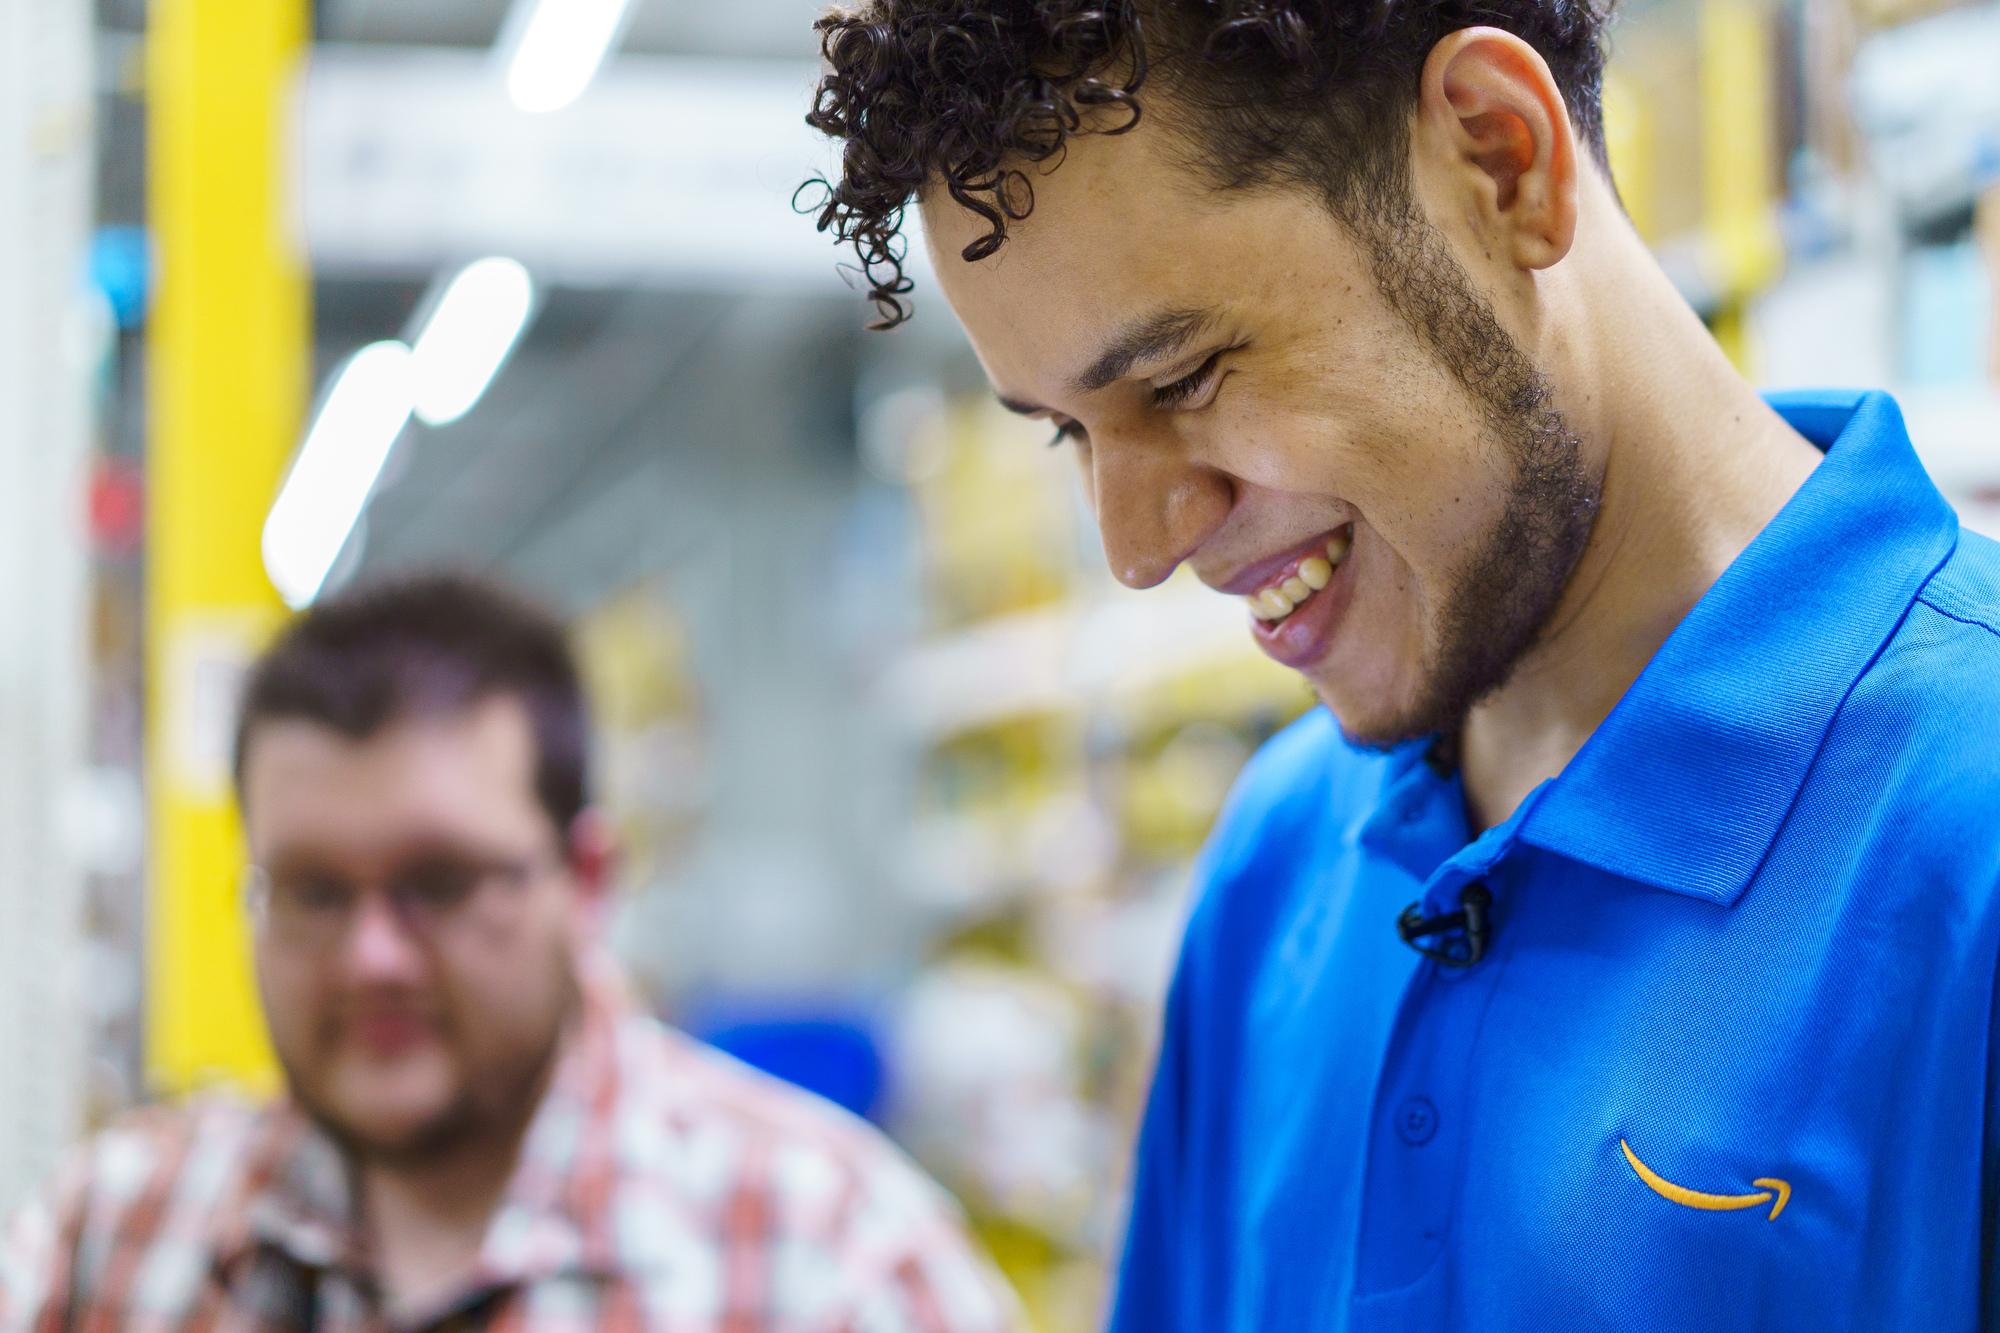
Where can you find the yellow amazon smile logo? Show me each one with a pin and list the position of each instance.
(1770, 1187)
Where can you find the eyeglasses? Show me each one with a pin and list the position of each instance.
(431, 898)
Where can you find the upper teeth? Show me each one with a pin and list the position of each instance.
(1280, 599)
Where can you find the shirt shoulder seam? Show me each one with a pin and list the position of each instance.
(1987, 625)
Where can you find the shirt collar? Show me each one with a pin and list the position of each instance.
(1685, 784)
(291, 1194)
(1420, 826)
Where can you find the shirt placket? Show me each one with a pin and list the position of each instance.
(1417, 1129)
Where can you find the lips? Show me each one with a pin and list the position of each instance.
(1298, 606)
(384, 1034)
(1295, 582)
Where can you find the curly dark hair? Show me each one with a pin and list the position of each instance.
(1313, 93)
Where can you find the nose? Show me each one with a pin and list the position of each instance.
(379, 946)
(1154, 509)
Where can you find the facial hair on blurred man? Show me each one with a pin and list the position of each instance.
(479, 1130)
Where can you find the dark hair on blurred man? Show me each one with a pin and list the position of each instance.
(479, 1130)
(1618, 947)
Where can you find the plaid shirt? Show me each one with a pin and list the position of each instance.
(662, 1188)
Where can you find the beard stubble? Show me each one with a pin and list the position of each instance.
(498, 1093)
(1511, 580)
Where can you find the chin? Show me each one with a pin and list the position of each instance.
(1372, 718)
(392, 1130)
(388, 1111)
(1371, 734)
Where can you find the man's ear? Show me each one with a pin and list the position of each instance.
(1492, 130)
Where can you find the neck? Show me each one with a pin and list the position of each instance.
(1695, 464)
(427, 1217)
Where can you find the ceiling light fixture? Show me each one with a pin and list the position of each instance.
(336, 468)
(560, 48)
(468, 336)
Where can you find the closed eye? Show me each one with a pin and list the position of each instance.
(1067, 430)
(1187, 387)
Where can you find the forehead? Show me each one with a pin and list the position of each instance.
(1123, 228)
(467, 774)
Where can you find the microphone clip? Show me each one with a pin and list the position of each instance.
(1468, 931)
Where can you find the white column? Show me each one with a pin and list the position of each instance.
(47, 341)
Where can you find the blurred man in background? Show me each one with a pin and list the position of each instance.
(480, 1130)
(1619, 949)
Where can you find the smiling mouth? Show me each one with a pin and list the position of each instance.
(1294, 585)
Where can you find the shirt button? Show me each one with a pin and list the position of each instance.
(1416, 1121)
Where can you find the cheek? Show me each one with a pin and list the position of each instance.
(294, 998)
(1378, 656)
(511, 988)
(1429, 491)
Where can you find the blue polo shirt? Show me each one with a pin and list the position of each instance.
(1727, 1064)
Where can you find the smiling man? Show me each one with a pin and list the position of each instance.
(1617, 948)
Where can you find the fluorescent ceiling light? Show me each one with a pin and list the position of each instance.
(560, 49)
(470, 333)
(336, 468)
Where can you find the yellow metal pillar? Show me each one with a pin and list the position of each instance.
(1628, 141)
(1738, 175)
(227, 376)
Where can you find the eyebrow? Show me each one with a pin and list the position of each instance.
(1148, 339)
(1157, 335)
